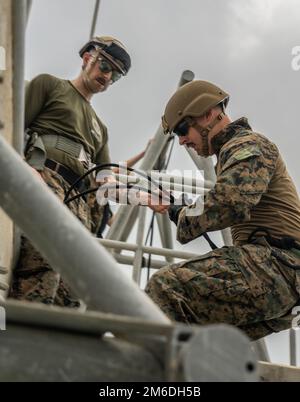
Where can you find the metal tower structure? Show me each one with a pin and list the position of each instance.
(51, 343)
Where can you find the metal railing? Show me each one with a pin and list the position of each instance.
(70, 249)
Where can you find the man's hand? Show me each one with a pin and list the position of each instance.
(153, 201)
(175, 209)
(174, 212)
(161, 209)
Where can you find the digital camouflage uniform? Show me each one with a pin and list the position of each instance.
(246, 285)
(100, 215)
(34, 279)
(58, 113)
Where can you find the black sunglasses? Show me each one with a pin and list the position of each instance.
(106, 67)
(182, 128)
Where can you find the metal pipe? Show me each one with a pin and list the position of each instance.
(28, 9)
(125, 219)
(293, 347)
(169, 253)
(91, 322)
(183, 180)
(95, 16)
(261, 350)
(128, 260)
(168, 185)
(183, 188)
(133, 213)
(164, 227)
(157, 145)
(226, 236)
(33, 354)
(19, 16)
(164, 178)
(84, 353)
(119, 245)
(7, 114)
(137, 263)
(71, 250)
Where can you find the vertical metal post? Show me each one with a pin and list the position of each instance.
(20, 14)
(156, 147)
(226, 235)
(95, 16)
(6, 130)
(164, 226)
(261, 350)
(19, 27)
(137, 263)
(123, 222)
(293, 346)
(124, 217)
(28, 9)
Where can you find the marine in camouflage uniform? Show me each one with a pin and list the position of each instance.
(253, 285)
(65, 138)
(34, 279)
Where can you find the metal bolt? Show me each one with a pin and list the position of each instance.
(1, 79)
(1, 125)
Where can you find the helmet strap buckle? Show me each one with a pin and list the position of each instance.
(204, 132)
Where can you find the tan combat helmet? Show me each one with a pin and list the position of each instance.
(192, 100)
(112, 49)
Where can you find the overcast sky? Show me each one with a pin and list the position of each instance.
(244, 46)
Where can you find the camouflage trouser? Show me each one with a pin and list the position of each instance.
(97, 214)
(33, 278)
(242, 286)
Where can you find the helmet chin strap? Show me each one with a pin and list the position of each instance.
(204, 132)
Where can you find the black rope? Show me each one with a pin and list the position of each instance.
(128, 186)
(104, 188)
(151, 234)
(209, 241)
(82, 194)
(109, 165)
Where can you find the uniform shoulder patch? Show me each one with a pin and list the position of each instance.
(245, 153)
(241, 154)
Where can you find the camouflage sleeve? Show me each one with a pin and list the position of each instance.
(243, 176)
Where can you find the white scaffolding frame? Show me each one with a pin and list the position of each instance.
(126, 215)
